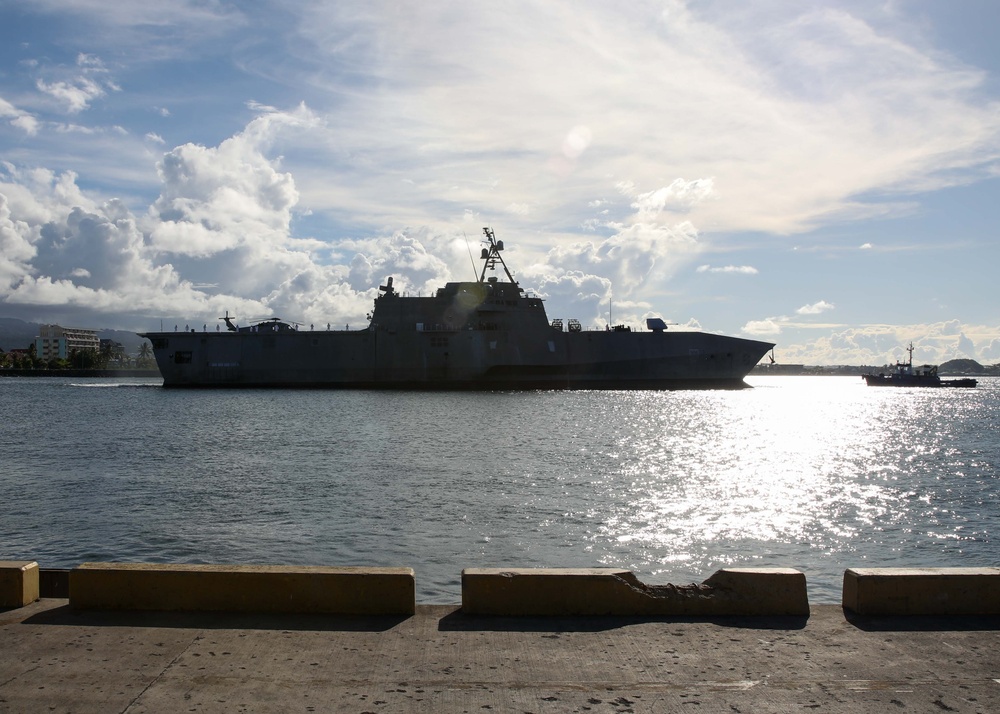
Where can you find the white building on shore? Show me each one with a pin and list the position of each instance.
(55, 342)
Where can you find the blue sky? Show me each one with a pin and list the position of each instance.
(819, 175)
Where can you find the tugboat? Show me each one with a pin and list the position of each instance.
(904, 374)
(484, 334)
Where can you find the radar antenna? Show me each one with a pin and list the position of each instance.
(491, 256)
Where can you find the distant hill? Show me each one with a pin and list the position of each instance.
(18, 334)
(961, 366)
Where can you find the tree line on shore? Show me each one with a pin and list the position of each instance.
(111, 355)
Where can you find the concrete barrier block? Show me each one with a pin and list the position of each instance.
(922, 591)
(609, 591)
(243, 588)
(18, 582)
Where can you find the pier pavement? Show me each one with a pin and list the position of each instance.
(56, 659)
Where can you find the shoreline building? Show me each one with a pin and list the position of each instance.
(55, 342)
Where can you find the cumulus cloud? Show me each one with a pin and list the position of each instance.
(63, 251)
(217, 238)
(679, 196)
(815, 309)
(990, 353)
(62, 248)
(226, 211)
(16, 248)
(629, 257)
(772, 326)
(877, 345)
(768, 327)
(966, 347)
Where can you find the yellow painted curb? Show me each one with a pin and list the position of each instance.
(922, 591)
(609, 591)
(243, 588)
(18, 582)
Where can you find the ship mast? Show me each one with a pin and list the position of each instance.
(491, 255)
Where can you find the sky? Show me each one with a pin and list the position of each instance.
(821, 175)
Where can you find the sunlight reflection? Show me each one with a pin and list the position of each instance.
(811, 466)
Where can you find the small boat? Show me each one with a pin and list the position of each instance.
(904, 374)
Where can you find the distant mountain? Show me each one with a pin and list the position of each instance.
(18, 334)
(129, 340)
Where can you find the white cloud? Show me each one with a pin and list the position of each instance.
(768, 327)
(230, 199)
(739, 269)
(950, 327)
(79, 88)
(878, 345)
(17, 118)
(26, 123)
(679, 196)
(76, 95)
(738, 99)
(991, 352)
(218, 238)
(16, 249)
(815, 309)
(965, 347)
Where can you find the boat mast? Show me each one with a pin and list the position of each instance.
(491, 255)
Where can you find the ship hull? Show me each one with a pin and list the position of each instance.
(454, 359)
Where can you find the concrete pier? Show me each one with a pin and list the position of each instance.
(55, 658)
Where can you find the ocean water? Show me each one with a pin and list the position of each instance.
(814, 473)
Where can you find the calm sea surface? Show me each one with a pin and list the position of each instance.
(814, 473)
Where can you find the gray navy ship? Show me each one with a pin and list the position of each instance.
(487, 334)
